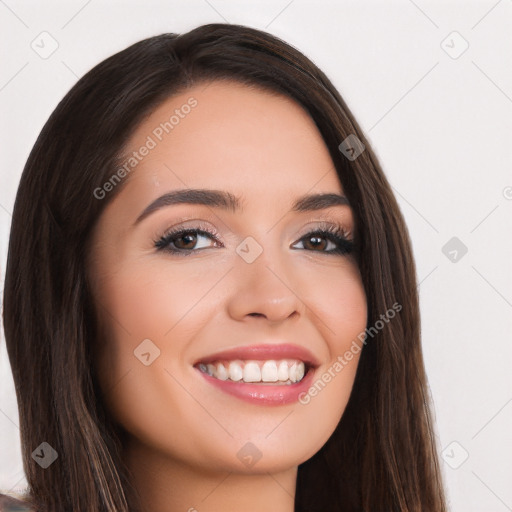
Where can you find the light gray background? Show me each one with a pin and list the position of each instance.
(441, 127)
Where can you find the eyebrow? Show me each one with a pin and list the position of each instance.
(228, 201)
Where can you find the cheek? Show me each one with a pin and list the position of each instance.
(170, 304)
(339, 304)
(150, 299)
(340, 308)
(152, 307)
(149, 305)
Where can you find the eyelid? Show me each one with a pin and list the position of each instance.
(318, 224)
(189, 223)
(342, 236)
(196, 225)
(326, 224)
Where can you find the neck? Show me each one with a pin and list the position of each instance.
(166, 484)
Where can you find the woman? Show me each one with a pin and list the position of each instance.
(210, 299)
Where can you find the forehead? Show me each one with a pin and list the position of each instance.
(260, 147)
(227, 133)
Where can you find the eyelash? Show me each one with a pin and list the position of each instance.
(335, 234)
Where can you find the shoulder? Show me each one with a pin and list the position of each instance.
(11, 504)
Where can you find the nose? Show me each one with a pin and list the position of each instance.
(265, 289)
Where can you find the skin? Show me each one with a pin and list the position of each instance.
(183, 433)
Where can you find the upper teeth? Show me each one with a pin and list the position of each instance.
(256, 371)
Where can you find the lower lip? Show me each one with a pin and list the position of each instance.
(264, 394)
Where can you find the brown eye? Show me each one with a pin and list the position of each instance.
(184, 241)
(315, 242)
(328, 241)
(189, 240)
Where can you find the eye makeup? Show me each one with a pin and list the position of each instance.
(334, 234)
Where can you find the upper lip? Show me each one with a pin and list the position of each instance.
(264, 352)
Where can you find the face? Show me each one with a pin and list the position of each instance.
(242, 275)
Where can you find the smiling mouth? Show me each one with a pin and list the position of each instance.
(268, 372)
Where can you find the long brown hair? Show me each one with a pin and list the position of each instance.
(382, 455)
